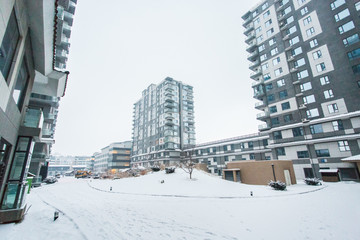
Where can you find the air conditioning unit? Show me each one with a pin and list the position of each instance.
(305, 120)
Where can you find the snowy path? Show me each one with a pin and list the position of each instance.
(93, 214)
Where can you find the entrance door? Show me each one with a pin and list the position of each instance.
(287, 177)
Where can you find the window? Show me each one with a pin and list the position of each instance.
(286, 10)
(328, 94)
(321, 67)
(264, 6)
(300, 2)
(280, 151)
(276, 61)
(310, 31)
(317, 128)
(256, 21)
(351, 40)
(322, 153)
(313, 43)
(304, 11)
(278, 71)
(8, 46)
(291, 30)
(296, 51)
(307, 20)
(275, 121)
(337, 125)
(289, 20)
(267, 77)
(259, 39)
(268, 87)
(324, 80)
(309, 99)
(357, 6)
(257, 30)
(274, 51)
(265, 66)
(272, 41)
(271, 97)
(269, 32)
(341, 15)
(302, 74)
(266, 14)
(343, 146)
(294, 40)
(356, 69)
(299, 62)
(283, 2)
(298, 132)
(305, 86)
(273, 109)
(346, 27)
(317, 54)
(354, 54)
(283, 94)
(5, 148)
(312, 113)
(268, 23)
(285, 106)
(21, 84)
(277, 135)
(288, 118)
(262, 48)
(280, 83)
(303, 154)
(333, 108)
(263, 57)
(251, 144)
(337, 4)
(255, 13)
(252, 156)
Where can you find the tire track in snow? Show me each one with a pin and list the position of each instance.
(67, 216)
(204, 197)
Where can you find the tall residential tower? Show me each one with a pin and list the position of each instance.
(305, 58)
(163, 123)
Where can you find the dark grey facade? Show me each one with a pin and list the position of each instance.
(163, 123)
(305, 58)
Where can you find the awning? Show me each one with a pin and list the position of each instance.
(355, 158)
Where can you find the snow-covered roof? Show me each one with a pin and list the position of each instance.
(232, 169)
(352, 158)
(329, 170)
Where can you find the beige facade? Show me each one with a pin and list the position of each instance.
(260, 172)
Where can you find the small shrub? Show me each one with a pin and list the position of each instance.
(312, 181)
(155, 169)
(277, 185)
(170, 169)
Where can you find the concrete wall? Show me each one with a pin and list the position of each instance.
(260, 172)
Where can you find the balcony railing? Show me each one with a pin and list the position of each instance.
(33, 118)
(263, 127)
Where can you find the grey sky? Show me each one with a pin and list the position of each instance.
(119, 47)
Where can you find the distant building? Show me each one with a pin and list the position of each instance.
(163, 123)
(34, 42)
(305, 58)
(112, 158)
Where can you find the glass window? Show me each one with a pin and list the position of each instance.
(341, 15)
(286, 10)
(278, 71)
(310, 31)
(267, 77)
(289, 20)
(266, 14)
(321, 67)
(273, 109)
(324, 80)
(337, 4)
(357, 6)
(285, 106)
(328, 94)
(351, 40)
(21, 85)
(259, 39)
(346, 27)
(275, 121)
(307, 20)
(5, 148)
(256, 21)
(262, 48)
(269, 32)
(309, 99)
(316, 128)
(265, 66)
(277, 135)
(303, 154)
(354, 54)
(296, 51)
(333, 108)
(265, 5)
(288, 118)
(276, 61)
(268, 23)
(322, 153)
(272, 41)
(257, 30)
(263, 57)
(356, 69)
(280, 151)
(280, 83)
(343, 146)
(291, 30)
(299, 62)
(255, 13)
(313, 43)
(268, 87)
(337, 125)
(283, 94)
(305, 86)
(271, 97)
(317, 54)
(302, 74)
(298, 132)
(312, 113)
(8, 45)
(294, 40)
(274, 51)
(304, 11)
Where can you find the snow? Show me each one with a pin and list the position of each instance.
(329, 170)
(205, 207)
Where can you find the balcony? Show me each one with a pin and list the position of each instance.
(293, 70)
(253, 55)
(291, 58)
(169, 116)
(259, 94)
(169, 122)
(249, 28)
(252, 46)
(249, 37)
(254, 75)
(33, 118)
(302, 106)
(50, 117)
(262, 115)
(254, 64)
(247, 20)
(263, 127)
(170, 99)
(286, 37)
(259, 105)
(47, 132)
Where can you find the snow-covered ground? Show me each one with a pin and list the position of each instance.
(203, 208)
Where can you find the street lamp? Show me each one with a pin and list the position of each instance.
(272, 165)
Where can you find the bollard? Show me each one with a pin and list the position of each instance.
(251, 193)
(56, 215)
(110, 189)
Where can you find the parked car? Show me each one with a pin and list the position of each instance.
(50, 180)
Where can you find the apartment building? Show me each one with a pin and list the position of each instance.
(163, 123)
(32, 35)
(305, 62)
(112, 158)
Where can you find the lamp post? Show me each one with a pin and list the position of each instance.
(272, 165)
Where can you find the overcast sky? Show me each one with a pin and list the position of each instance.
(119, 47)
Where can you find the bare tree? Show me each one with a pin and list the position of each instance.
(188, 165)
